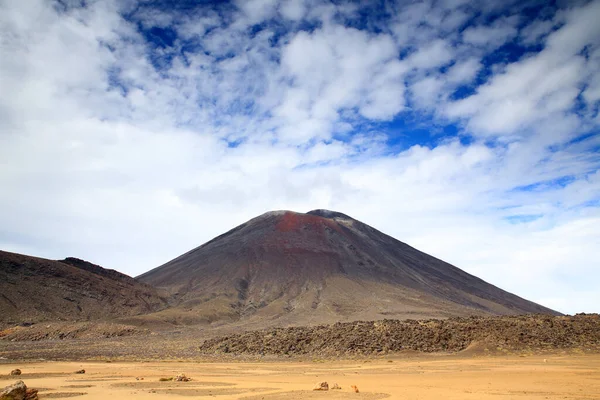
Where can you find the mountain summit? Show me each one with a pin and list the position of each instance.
(288, 268)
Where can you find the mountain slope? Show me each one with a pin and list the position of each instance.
(35, 289)
(286, 268)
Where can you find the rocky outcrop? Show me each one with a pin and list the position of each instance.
(536, 332)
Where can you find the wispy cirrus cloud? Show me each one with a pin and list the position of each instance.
(133, 131)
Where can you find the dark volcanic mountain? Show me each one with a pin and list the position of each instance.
(286, 268)
(35, 289)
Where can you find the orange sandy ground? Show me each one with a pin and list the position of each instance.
(427, 377)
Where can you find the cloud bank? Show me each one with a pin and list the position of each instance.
(131, 132)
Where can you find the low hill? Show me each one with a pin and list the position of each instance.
(35, 289)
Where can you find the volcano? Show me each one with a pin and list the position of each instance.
(285, 268)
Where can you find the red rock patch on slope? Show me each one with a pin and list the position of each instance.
(291, 221)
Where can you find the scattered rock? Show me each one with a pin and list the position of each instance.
(355, 388)
(321, 386)
(15, 372)
(31, 394)
(81, 371)
(336, 386)
(165, 379)
(139, 378)
(18, 391)
(182, 378)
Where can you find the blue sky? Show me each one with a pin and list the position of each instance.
(131, 132)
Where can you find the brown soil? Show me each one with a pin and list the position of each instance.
(565, 377)
(305, 394)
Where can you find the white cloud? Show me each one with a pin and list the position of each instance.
(541, 86)
(258, 10)
(427, 92)
(293, 9)
(434, 54)
(338, 68)
(454, 20)
(533, 32)
(108, 157)
(464, 72)
(492, 36)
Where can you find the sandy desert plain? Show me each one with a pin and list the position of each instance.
(558, 376)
